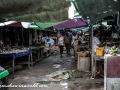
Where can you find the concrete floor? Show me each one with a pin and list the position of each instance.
(39, 76)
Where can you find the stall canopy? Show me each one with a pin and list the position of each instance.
(42, 26)
(77, 22)
(15, 24)
(95, 10)
(34, 10)
(3, 23)
(32, 25)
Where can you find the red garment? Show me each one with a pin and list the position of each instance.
(67, 47)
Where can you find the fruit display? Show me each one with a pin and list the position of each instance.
(113, 50)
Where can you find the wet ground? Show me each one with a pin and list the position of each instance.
(40, 76)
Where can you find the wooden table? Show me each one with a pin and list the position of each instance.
(95, 60)
(39, 50)
(14, 54)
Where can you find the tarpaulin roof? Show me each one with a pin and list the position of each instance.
(77, 22)
(6, 23)
(41, 26)
(32, 25)
(34, 10)
(15, 24)
(23, 6)
(95, 10)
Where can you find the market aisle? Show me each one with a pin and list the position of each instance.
(42, 72)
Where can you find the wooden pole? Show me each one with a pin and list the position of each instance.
(92, 61)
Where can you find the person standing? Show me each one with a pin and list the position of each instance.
(67, 42)
(61, 43)
(75, 44)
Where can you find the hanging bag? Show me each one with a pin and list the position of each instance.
(100, 51)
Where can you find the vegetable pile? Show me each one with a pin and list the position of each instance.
(113, 50)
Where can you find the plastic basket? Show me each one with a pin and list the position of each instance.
(4, 74)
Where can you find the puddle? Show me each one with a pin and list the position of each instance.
(56, 66)
(87, 86)
(92, 85)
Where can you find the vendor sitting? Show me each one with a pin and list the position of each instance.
(96, 41)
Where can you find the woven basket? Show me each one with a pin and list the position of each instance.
(82, 54)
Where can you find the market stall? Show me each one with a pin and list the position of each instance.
(31, 43)
(85, 55)
(37, 50)
(17, 53)
(24, 35)
(109, 46)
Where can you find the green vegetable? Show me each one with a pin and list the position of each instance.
(113, 51)
(113, 54)
(113, 48)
